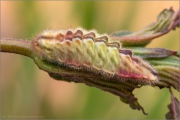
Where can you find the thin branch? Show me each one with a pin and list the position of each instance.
(18, 46)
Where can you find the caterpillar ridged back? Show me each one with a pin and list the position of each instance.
(80, 49)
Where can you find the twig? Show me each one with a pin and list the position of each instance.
(18, 46)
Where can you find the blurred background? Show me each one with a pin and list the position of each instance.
(27, 92)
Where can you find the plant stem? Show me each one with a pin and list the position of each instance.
(18, 46)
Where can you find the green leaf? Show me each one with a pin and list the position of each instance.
(151, 52)
(166, 21)
(128, 67)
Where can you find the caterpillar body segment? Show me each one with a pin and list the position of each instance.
(79, 49)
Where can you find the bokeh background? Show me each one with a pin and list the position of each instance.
(27, 92)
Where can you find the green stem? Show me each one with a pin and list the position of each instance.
(22, 47)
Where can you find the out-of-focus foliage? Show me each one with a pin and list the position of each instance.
(28, 92)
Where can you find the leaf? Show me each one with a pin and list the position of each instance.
(174, 108)
(166, 21)
(165, 62)
(104, 64)
(168, 76)
(168, 71)
(151, 52)
(122, 89)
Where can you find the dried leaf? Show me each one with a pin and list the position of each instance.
(87, 57)
(174, 108)
(120, 88)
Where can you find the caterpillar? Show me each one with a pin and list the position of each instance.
(84, 50)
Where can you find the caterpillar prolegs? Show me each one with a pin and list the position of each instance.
(83, 50)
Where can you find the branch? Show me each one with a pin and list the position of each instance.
(18, 46)
(87, 57)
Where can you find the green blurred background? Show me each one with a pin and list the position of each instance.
(27, 92)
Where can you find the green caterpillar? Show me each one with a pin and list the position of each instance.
(84, 50)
